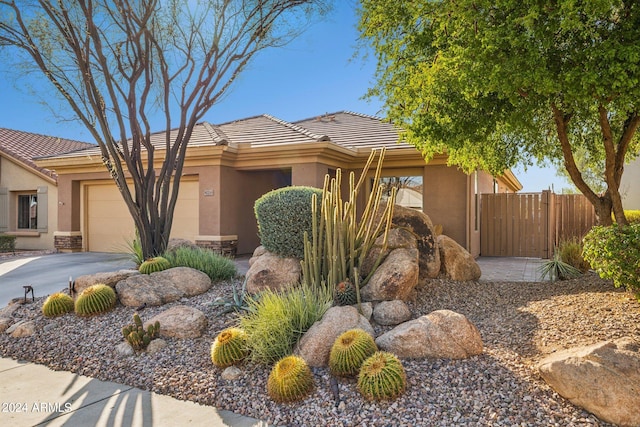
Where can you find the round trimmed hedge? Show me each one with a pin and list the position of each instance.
(283, 216)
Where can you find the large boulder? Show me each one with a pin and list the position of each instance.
(315, 345)
(270, 271)
(180, 321)
(421, 226)
(108, 278)
(21, 329)
(440, 334)
(457, 263)
(162, 287)
(603, 378)
(395, 278)
(398, 238)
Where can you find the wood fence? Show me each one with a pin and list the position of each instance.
(532, 224)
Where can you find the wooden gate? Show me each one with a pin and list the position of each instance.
(531, 224)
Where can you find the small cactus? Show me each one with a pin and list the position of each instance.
(382, 377)
(290, 380)
(349, 351)
(229, 347)
(345, 293)
(95, 299)
(138, 337)
(153, 265)
(57, 304)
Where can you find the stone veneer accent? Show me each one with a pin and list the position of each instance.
(68, 241)
(223, 245)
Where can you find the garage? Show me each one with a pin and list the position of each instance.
(109, 227)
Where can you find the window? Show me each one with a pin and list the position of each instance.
(27, 211)
(409, 190)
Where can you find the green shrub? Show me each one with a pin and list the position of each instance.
(570, 252)
(556, 269)
(283, 216)
(275, 321)
(216, 266)
(7, 243)
(614, 253)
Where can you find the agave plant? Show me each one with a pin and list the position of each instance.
(556, 269)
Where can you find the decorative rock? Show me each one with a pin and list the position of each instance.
(156, 345)
(162, 287)
(395, 278)
(315, 344)
(231, 373)
(124, 349)
(603, 378)
(269, 271)
(5, 322)
(7, 311)
(22, 329)
(457, 263)
(398, 238)
(391, 312)
(175, 244)
(439, 334)
(180, 321)
(109, 279)
(257, 253)
(421, 226)
(50, 326)
(367, 309)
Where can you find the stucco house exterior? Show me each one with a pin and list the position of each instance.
(229, 166)
(29, 193)
(630, 185)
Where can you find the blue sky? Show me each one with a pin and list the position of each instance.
(315, 74)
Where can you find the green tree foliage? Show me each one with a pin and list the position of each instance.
(130, 68)
(498, 82)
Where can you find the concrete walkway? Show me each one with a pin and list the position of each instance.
(506, 269)
(34, 395)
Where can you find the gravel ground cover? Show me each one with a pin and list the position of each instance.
(519, 322)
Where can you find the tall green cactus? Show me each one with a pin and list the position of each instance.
(340, 242)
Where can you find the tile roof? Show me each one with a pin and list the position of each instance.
(25, 146)
(355, 130)
(268, 130)
(345, 128)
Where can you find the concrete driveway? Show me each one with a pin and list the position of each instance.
(50, 273)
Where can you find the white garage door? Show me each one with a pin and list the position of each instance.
(109, 225)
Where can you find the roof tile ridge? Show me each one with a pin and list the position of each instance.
(298, 128)
(366, 116)
(219, 137)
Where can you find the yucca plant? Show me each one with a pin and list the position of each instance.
(556, 269)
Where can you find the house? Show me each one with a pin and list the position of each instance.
(229, 166)
(630, 185)
(28, 193)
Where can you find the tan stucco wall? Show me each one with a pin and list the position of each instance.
(20, 179)
(630, 185)
(444, 200)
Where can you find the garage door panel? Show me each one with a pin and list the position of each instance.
(109, 225)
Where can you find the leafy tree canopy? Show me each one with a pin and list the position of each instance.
(499, 82)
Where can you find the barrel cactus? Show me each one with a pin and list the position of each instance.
(345, 293)
(57, 304)
(229, 347)
(382, 377)
(95, 299)
(153, 265)
(290, 380)
(349, 351)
